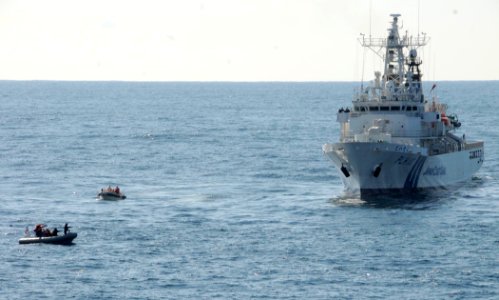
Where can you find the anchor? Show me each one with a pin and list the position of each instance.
(377, 170)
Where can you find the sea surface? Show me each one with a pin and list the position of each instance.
(228, 197)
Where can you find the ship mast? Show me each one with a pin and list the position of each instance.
(398, 82)
(394, 57)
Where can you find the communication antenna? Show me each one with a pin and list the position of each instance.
(370, 16)
(419, 19)
(363, 65)
(364, 50)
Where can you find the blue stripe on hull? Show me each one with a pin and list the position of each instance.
(411, 182)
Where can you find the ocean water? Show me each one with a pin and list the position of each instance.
(229, 197)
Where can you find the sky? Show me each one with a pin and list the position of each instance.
(238, 40)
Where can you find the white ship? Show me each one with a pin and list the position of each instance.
(394, 138)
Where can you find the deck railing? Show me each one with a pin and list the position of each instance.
(473, 145)
(427, 133)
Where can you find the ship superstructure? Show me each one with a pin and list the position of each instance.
(394, 137)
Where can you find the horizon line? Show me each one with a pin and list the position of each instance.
(230, 81)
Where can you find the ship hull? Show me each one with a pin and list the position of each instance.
(376, 168)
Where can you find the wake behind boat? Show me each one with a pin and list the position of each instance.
(395, 139)
(111, 194)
